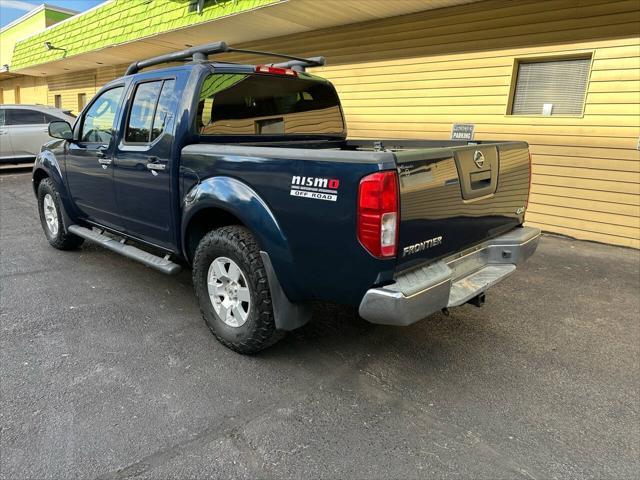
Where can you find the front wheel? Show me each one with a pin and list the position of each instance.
(233, 291)
(50, 209)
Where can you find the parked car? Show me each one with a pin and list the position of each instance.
(24, 129)
(245, 173)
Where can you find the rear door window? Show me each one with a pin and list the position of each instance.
(254, 104)
(164, 110)
(150, 111)
(142, 110)
(24, 116)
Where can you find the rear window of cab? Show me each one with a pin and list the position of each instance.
(254, 104)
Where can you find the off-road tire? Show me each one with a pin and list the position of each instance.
(62, 240)
(238, 244)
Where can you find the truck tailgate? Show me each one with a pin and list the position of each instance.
(456, 197)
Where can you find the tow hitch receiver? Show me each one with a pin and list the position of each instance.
(478, 300)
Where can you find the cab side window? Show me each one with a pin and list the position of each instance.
(97, 125)
(142, 110)
(164, 111)
(150, 111)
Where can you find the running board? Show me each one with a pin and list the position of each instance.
(162, 264)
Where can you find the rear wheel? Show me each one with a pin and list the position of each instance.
(233, 291)
(50, 210)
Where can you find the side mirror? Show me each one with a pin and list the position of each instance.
(61, 129)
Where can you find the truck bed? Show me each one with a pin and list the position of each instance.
(448, 203)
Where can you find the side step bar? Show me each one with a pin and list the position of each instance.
(162, 264)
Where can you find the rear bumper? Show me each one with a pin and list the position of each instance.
(449, 282)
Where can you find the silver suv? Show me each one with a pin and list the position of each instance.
(24, 129)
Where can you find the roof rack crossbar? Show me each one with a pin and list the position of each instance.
(201, 52)
(293, 61)
(300, 65)
(198, 53)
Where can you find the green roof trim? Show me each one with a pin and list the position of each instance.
(121, 21)
(54, 16)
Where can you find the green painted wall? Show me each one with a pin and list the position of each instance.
(121, 21)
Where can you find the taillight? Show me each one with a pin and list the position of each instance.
(378, 213)
(276, 70)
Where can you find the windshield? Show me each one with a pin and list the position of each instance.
(249, 104)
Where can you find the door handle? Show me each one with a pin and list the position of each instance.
(105, 162)
(154, 165)
(102, 156)
(100, 151)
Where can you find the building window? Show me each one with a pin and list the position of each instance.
(16, 94)
(82, 101)
(553, 87)
(57, 101)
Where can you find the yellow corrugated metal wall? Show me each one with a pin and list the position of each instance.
(413, 76)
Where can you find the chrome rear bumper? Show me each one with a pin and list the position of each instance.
(449, 282)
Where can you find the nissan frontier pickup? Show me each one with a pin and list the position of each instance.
(245, 175)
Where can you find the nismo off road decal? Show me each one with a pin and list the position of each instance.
(315, 187)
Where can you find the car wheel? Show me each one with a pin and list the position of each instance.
(233, 291)
(49, 207)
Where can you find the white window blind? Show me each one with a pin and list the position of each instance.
(551, 88)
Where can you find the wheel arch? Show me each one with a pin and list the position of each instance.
(39, 174)
(46, 165)
(203, 221)
(220, 201)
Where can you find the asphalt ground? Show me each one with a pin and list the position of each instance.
(108, 371)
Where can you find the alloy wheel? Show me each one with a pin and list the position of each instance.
(50, 214)
(229, 291)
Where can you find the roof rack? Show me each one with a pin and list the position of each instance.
(201, 52)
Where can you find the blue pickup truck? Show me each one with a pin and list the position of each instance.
(244, 174)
